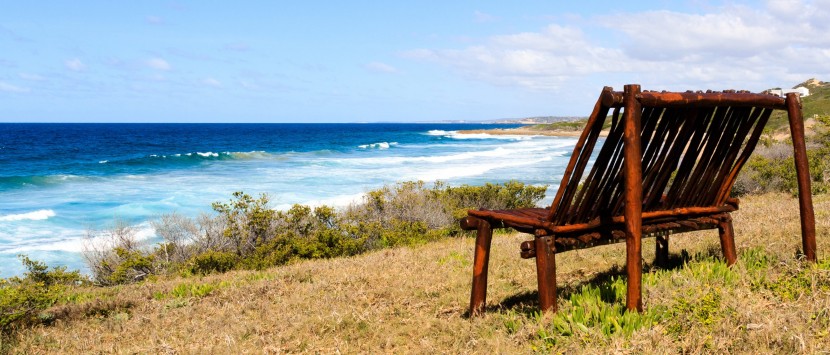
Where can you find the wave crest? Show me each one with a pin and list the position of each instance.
(38, 215)
(380, 145)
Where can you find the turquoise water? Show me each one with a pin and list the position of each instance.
(58, 181)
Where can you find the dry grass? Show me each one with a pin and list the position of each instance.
(413, 300)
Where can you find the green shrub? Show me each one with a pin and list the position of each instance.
(247, 220)
(247, 233)
(212, 261)
(23, 299)
(772, 167)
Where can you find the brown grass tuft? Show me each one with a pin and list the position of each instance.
(413, 300)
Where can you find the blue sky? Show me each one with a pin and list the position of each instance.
(366, 61)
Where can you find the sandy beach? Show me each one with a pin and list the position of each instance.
(526, 131)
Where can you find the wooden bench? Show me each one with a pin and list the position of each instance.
(667, 166)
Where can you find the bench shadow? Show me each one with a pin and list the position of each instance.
(527, 303)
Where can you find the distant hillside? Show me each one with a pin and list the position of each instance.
(535, 120)
(817, 103)
(525, 120)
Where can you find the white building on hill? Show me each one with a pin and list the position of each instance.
(799, 90)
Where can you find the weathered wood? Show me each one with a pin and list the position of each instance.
(676, 99)
(599, 108)
(546, 273)
(478, 293)
(633, 197)
(802, 170)
(667, 166)
(539, 222)
(727, 240)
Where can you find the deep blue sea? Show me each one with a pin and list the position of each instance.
(58, 181)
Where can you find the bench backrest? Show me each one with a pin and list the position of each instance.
(693, 145)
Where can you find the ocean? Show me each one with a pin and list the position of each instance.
(59, 181)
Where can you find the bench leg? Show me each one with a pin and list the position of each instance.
(634, 271)
(546, 272)
(661, 253)
(478, 296)
(727, 240)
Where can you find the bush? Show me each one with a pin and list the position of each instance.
(23, 299)
(212, 261)
(772, 167)
(248, 233)
(115, 256)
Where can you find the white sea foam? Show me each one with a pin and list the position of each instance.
(256, 154)
(519, 149)
(469, 170)
(38, 215)
(77, 241)
(103, 161)
(335, 201)
(458, 135)
(381, 145)
(207, 154)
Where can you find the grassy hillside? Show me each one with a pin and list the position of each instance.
(414, 299)
(818, 103)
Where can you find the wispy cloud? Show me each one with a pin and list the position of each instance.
(211, 82)
(154, 20)
(482, 17)
(74, 64)
(779, 43)
(6, 87)
(158, 64)
(379, 67)
(31, 77)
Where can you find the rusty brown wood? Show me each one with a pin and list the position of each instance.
(584, 158)
(602, 175)
(727, 240)
(671, 163)
(511, 219)
(746, 122)
(528, 249)
(481, 259)
(688, 154)
(703, 194)
(586, 200)
(598, 108)
(676, 99)
(802, 169)
(714, 134)
(688, 158)
(590, 239)
(546, 272)
(723, 194)
(633, 197)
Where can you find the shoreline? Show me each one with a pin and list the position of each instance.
(525, 131)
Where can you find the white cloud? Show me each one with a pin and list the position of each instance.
(75, 64)
(381, 67)
(158, 64)
(536, 60)
(211, 82)
(722, 48)
(483, 17)
(154, 20)
(31, 77)
(4, 86)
